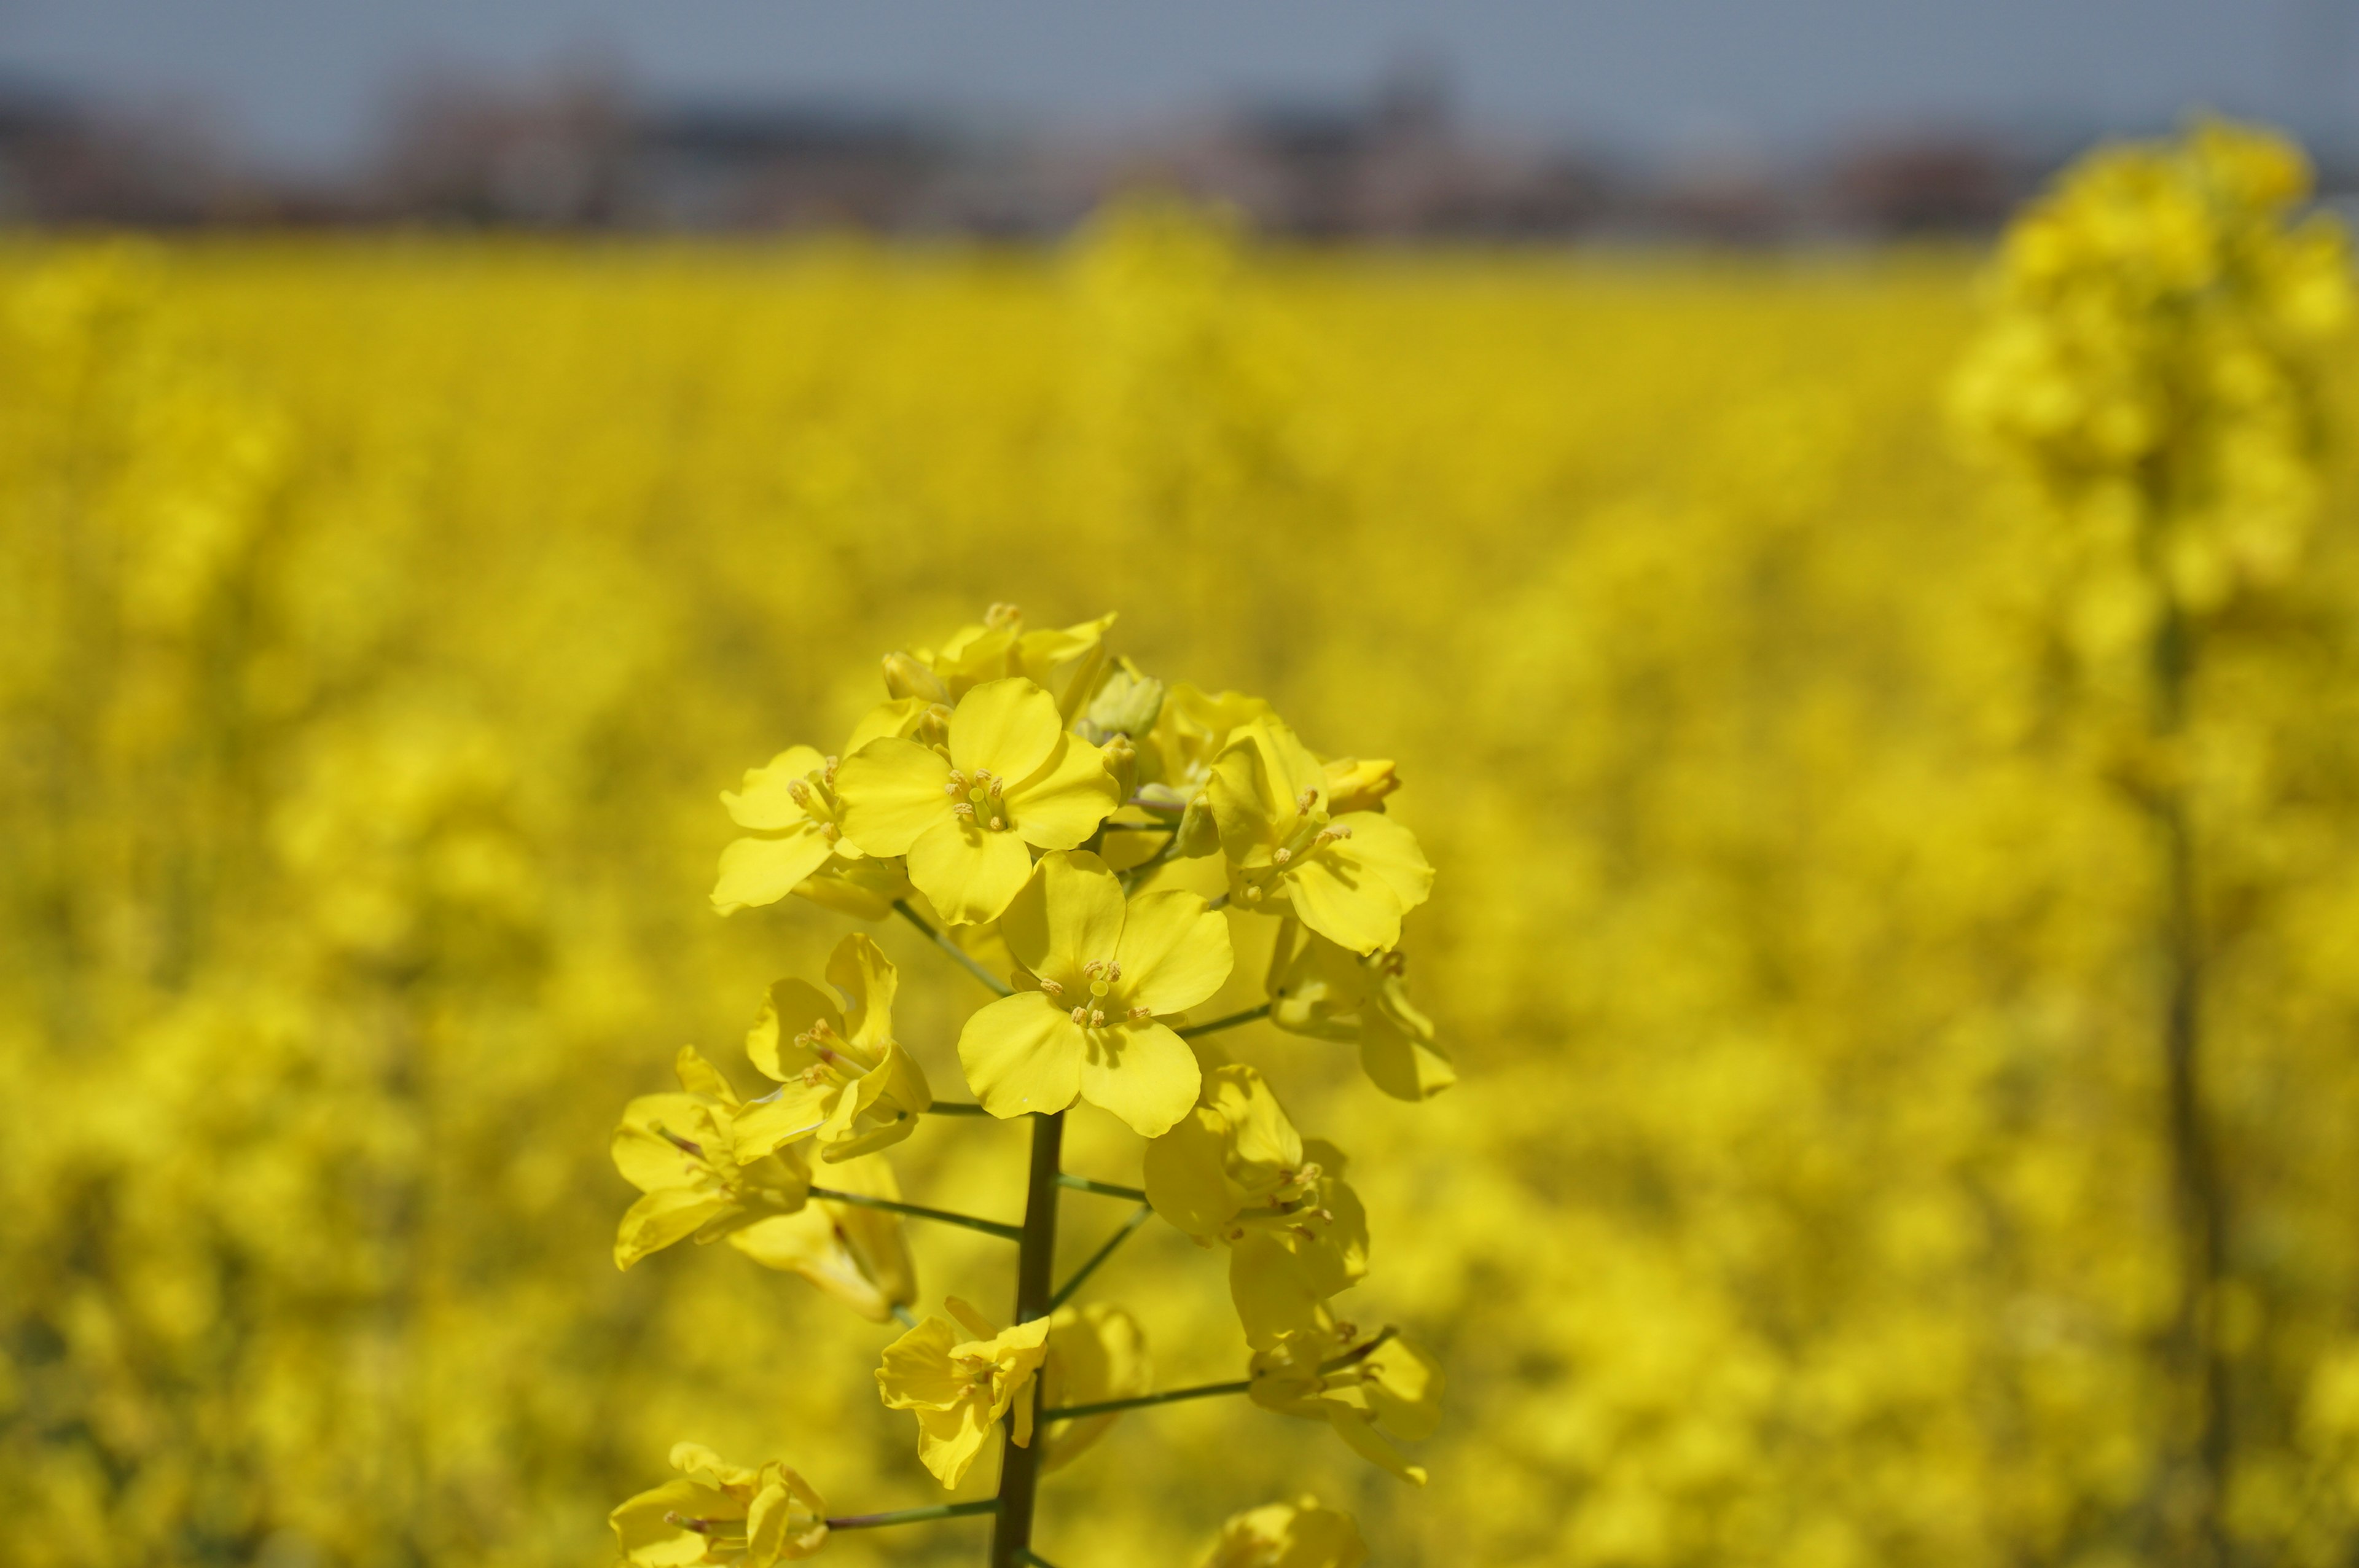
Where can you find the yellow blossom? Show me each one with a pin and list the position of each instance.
(1359, 783)
(1095, 1352)
(1300, 1534)
(1107, 973)
(1234, 1167)
(842, 1078)
(1009, 776)
(850, 1251)
(721, 1513)
(1373, 1395)
(1320, 990)
(794, 819)
(677, 1150)
(1349, 877)
(1064, 662)
(960, 1388)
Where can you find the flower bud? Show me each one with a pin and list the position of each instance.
(1127, 704)
(1357, 784)
(905, 676)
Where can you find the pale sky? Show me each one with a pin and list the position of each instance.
(304, 80)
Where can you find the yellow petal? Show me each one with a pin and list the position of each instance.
(1383, 849)
(1063, 802)
(1143, 1073)
(891, 791)
(1354, 911)
(755, 871)
(950, 1440)
(859, 968)
(769, 1125)
(1094, 1352)
(789, 1010)
(916, 1373)
(1403, 1389)
(805, 1243)
(699, 1077)
(1004, 727)
(1185, 1178)
(977, 1327)
(968, 873)
(644, 1530)
(898, 718)
(651, 1161)
(1022, 1054)
(1069, 913)
(1360, 1432)
(1275, 1295)
(1174, 952)
(662, 1218)
(766, 802)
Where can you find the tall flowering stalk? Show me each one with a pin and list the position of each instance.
(1031, 806)
(2152, 370)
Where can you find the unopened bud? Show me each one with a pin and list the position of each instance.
(905, 676)
(1127, 703)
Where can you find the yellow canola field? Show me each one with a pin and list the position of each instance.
(379, 622)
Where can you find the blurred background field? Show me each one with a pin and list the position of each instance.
(380, 619)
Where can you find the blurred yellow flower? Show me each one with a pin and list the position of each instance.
(1009, 777)
(721, 1513)
(1319, 989)
(1064, 662)
(677, 1150)
(1234, 1167)
(850, 1251)
(1096, 1352)
(1375, 1394)
(1107, 972)
(842, 1078)
(1300, 1534)
(959, 1388)
(1349, 877)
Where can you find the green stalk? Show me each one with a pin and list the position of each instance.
(1019, 1468)
(1231, 1021)
(1103, 1189)
(1139, 1401)
(939, 1216)
(966, 959)
(915, 1516)
(1081, 1274)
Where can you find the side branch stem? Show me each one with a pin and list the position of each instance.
(1081, 1275)
(1231, 1021)
(966, 959)
(940, 1215)
(915, 1516)
(1139, 1402)
(1103, 1189)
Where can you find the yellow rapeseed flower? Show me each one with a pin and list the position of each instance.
(1234, 1167)
(677, 1149)
(793, 818)
(1349, 877)
(960, 1388)
(842, 1078)
(1108, 973)
(721, 1513)
(1095, 1352)
(1007, 776)
(850, 1251)
(1319, 989)
(1064, 662)
(1300, 1534)
(1373, 1395)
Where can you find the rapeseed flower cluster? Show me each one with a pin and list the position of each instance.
(379, 622)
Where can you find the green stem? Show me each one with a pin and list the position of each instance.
(1130, 1226)
(1234, 1019)
(1019, 1468)
(940, 1215)
(1360, 1353)
(915, 1516)
(954, 949)
(1170, 1396)
(1026, 1554)
(955, 1107)
(904, 1316)
(1103, 1189)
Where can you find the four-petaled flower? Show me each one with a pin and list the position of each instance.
(1107, 973)
(1349, 876)
(1009, 777)
(842, 1078)
(1234, 1170)
(1300, 1534)
(721, 1513)
(850, 1251)
(959, 1388)
(1319, 989)
(794, 821)
(677, 1150)
(1064, 662)
(1372, 1394)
